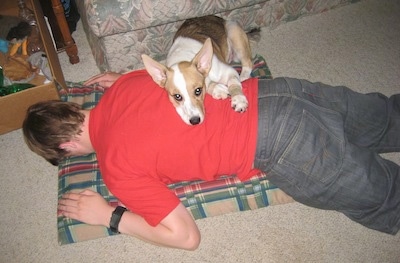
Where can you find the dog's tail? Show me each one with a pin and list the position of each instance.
(254, 36)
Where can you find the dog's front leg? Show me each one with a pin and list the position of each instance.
(217, 90)
(238, 101)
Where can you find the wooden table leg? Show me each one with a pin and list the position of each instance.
(70, 46)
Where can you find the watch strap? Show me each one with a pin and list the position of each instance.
(116, 217)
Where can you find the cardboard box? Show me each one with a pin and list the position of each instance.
(13, 107)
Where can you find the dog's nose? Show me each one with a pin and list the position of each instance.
(194, 120)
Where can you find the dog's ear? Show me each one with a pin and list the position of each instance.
(156, 70)
(203, 58)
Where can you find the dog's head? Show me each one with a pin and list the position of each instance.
(184, 82)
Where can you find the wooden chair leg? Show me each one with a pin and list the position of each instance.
(70, 46)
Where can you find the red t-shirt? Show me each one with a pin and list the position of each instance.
(142, 144)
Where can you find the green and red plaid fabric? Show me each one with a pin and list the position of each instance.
(202, 199)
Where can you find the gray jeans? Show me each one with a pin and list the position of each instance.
(321, 145)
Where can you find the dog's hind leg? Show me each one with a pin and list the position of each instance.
(240, 48)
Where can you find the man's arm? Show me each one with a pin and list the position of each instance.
(177, 230)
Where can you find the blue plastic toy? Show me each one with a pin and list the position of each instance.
(3, 45)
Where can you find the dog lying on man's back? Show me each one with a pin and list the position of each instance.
(198, 62)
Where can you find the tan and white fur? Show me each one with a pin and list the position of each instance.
(198, 62)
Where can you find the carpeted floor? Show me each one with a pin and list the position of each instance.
(357, 45)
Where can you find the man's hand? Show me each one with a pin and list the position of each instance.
(87, 206)
(105, 80)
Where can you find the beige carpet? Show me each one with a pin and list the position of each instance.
(356, 45)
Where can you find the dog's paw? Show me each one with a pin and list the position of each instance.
(245, 74)
(239, 103)
(220, 92)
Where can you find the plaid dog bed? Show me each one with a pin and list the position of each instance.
(202, 199)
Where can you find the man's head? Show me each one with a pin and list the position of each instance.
(49, 124)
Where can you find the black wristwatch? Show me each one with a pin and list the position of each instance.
(116, 217)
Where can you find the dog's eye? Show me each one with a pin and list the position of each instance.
(177, 97)
(198, 91)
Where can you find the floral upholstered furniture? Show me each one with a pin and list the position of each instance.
(119, 31)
